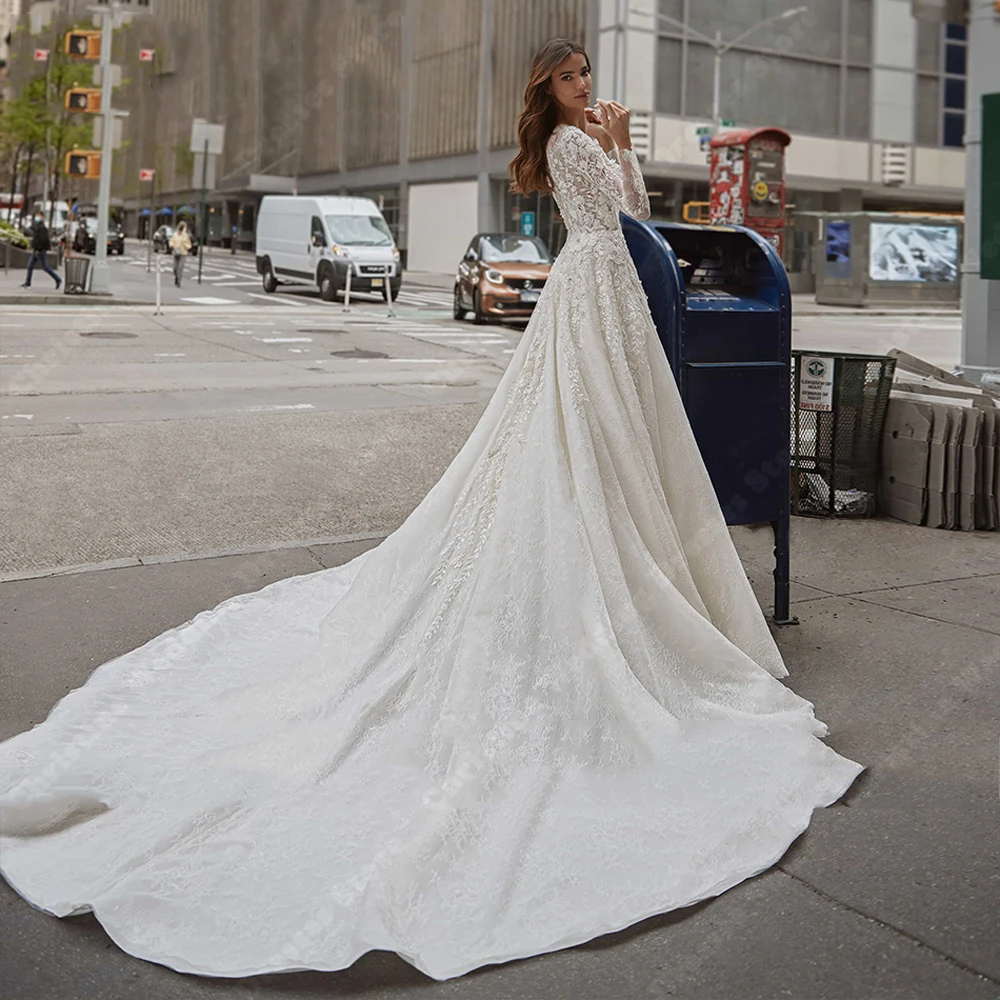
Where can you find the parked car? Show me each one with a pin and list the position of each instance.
(85, 237)
(161, 240)
(501, 275)
(313, 241)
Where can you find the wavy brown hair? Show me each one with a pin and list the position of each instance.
(529, 170)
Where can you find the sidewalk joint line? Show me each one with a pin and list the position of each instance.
(889, 926)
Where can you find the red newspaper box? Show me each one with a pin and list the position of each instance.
(747, 181)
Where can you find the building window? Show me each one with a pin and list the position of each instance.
(953, 131)
(953, 91)
(941, 92)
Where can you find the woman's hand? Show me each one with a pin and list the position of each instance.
(614, 117)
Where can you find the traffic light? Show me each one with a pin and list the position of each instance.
(83, 44)
(83, 163)
(88, 100)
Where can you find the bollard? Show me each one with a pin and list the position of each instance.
(347, 288)
(159, 287)
(388, 289)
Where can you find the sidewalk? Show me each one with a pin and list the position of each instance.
(890, 893)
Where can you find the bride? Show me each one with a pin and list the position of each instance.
(545, 707)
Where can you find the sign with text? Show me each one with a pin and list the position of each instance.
(816, 384)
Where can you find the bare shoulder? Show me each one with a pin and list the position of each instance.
(600, 133)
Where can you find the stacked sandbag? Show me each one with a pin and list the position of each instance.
(940, 456)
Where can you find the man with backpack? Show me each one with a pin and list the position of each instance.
(40, 246)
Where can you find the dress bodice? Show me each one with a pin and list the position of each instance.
(590, 187)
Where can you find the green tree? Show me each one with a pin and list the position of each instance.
(37, 128)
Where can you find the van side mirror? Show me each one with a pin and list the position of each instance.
(470, 254)
(318, 241)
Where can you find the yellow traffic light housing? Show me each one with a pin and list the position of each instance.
(83, 44)
(83, 163)
(86, 100)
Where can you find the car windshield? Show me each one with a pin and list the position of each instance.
(522, 249)
(359, 230)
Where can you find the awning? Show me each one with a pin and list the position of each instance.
(185, 210)
(145, 211)
(165, 211)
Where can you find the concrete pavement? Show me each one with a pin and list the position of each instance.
(889, 894)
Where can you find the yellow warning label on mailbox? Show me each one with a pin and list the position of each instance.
(760, 190)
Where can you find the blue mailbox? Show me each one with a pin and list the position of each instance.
(720, 300)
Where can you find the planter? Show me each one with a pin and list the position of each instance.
(13, 258)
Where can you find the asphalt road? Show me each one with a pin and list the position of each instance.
(235, 426)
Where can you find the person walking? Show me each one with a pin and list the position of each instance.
(40, 246)
(180, 245)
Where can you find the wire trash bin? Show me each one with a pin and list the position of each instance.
(77, 269)
(838, 409)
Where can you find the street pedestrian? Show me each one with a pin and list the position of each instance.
(180, 245)
(232, 247)
(40, 246)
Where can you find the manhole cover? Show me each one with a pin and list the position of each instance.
(358, 352)
(109, 334)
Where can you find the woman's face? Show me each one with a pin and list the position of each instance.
(570, 83)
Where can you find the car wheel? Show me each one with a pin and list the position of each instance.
(457, 311)
(270, 281)
(327, 285)
(478, 316)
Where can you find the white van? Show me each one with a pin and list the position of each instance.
(313, 241)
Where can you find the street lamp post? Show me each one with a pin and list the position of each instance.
(719, 47)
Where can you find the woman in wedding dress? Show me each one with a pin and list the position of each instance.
(545, 707)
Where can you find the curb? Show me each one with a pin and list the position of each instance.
(61, 299)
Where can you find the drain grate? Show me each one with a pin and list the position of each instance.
(109, 334)
(358, 352)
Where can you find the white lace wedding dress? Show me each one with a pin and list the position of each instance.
(542, 709)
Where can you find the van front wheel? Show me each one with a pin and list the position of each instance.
(269, 280)
(327, 286)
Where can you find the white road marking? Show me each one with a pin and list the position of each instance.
(284, 340)
(281, 301)
(419, 361)
(210, 300)
(169, 355)
(279, 406)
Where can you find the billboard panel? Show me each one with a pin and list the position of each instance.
(913, 251)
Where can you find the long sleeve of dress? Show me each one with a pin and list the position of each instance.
(631, 186)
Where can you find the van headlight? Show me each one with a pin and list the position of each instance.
(339, 251)
(395, 252)
(495, 276)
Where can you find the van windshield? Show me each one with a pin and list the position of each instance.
(359, 230)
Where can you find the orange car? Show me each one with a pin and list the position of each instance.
(501, 275)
